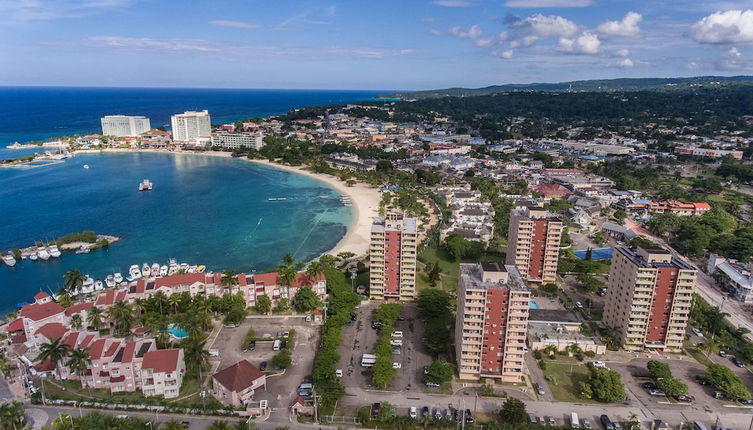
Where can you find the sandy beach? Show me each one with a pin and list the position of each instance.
(365, 207)
(364, 197)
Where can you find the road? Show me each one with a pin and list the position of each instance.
(706, 286)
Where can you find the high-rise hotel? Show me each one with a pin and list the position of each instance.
(533, 243)
(124, 125)
(649, 298)
(190, 126)
(491, 322)
(392, 255)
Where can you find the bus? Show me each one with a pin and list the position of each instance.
(574, 423)
(368, 360)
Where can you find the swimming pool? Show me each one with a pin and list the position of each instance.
(533, 304)
(176, 331)
(596, 254)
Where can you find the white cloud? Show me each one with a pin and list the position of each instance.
(586, 43)
(524, 4)
(625, 63)
(453, 3)
(692, 65)
(472, 33)
(506, 54)
(526, 32)
(730, 27)
(733, 52)
(233, 24)
(429, 19)
(435, 32)
(481, 43)
(622, 52)
(626, 27)
(37, 10)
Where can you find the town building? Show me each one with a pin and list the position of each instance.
(235, 385)
(560, 329)
(649, 297)
(34, 316)
(162, 373)
(708, 152)
(533, 243)
(238, 140)
(124, 125)
(491, 322)
(392, 251)
(734, 276)
(191, 126)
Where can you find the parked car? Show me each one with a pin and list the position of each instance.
(413, 413)
(539, 389)
(339, 373)
(649, 386)
(722, 353)
(231, 325)
(263, 366)
(685, 399)
(396, 365)
(579, 305)
(448, 414)
(657, 393)
(550, 421)
(252, 345)
(737, 362)
(696, 331)
(185, 424)
(532, 418)
(468, 416)
(701, 380)
(586, 423)
(397, 334)
(431, 384)
(375, 408)
(437, 413)
(606, 422)
(424, 411)
(599, 364)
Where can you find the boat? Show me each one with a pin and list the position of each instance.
(54, 251)
(184, 267)
(146, 185)
(155, 270)
(42, 253)
(83, 250)
(201, 269)
(134, 272)
(88, 285)
(33, 256)
(163, 271)
(118, 278)
(192, 269)
(277, 199)
(86, 166)
(323, 197)
(9, 260)
(145, 270)
(99, 285)
(110, 281)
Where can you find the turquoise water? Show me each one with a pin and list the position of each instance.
(176, 331)
(533, 304)
(596, 254)
(203, 210)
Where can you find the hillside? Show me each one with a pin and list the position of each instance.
(601, 85)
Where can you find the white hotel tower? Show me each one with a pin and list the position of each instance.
(190, 126)
(124, 125)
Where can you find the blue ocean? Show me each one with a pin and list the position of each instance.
(203, 210)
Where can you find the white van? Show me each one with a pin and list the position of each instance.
(397, 334)
(574, 423)
(276, 345)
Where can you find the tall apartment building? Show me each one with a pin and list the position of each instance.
(491, 322)
(533, 243)
(392, 254)
(238, 140)
(124, 125)
(649, 297)
(191, 125)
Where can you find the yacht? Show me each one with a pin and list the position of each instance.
(173, 269)
(155, 270)
(146, 185)
(88, 285)
(184, 267)
(42, 253)
(83, 250)
(134, 273)
(54, 251)
(163, 271)
(201, 269)
(145, 270)
(110, 281)
(192, 269)
(99, 285)
(118, 278)
(33, 256)
(86, 166)
(9, 260)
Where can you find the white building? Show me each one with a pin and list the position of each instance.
(238, 140)
(124, 125)
(189, 126)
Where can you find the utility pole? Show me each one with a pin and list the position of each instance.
(316, 407)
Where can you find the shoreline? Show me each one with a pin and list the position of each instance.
(365, 199)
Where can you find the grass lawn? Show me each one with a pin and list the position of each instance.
(564, 381)
(71, 390)
(450, 269)
(699, 356)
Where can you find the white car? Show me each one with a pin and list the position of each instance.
(396, 342)
(599, 364)
(339, 373)
(413, 412)
(396, 365)
(696, 331)
(397, 334)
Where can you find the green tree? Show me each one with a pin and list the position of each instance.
(433, 273)
(282, 359)
(196, 355)
(172, 425)
(229, 278)
(73, 280)
(76, 322)
(54, 350)
(79, 361)
(724, 378)
(457, 246)
(439, 372)
(672, 387)
(283, 305)
(220, 425)
(315, 268)
(513, 411)
(94, 317)
(306, 300)
(620, 215)
(606, 385)
(13, 416)
(122, 316)
(658, 370)
(263, 305)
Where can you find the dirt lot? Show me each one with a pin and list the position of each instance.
(360, 338)
(281, 388)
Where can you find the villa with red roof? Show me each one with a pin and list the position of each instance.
(235, 385)
(36, 315)
(162, 373)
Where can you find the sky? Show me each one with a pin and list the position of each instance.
(360, 44)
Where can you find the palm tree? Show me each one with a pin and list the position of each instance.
(287, 277)
(76, 322)
(79, 361)
(6, 367)
(62, 422)
(54, 350)
(122, 315)
(94, 317)
(220, 425)
(160, 300)
(245, 425)
(13, 416)
(174, 302)
(74, 279)
(196, 356)
(172, 425)
(229, 278)
(315, 269)
(139, 306)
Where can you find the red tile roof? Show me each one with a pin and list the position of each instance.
(552, 190)
(40, 311)
(84, 343)
(78, 307)
(301, 279)
(239, 376)
(16, 325)
(41, 295)
(95, 351)
(110, 297)
(52, 331)
(45, 366)
(299, 401)
(71, 338)
(112, 349)
(177, 280)
(163, 360)
(128, 352)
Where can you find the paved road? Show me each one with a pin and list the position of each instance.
(706, 287)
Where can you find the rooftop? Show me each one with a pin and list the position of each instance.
(162, 361)
(239, 376)
(472, 276)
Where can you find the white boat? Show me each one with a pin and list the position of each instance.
(110, 281)
(145, 270)
(118, 278)
(192, 269)
(54, 251)
(163, 271)
(173, 269)
(42, 253)
(86, 166)
(155, 270)
(83, 250)
(146, 185)
(75, 292)
(9, 260)
(184, 267)
(33, 256)
(134, 272)
(99, 285)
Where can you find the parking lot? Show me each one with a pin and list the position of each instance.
(281, 388)
(360, 338)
